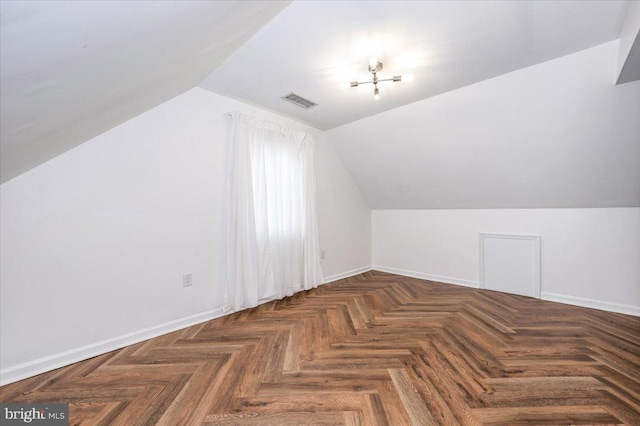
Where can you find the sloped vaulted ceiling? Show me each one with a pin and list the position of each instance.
(71, 70)
(513, 104)
(554, 135)
(504, 110)
(315, 48)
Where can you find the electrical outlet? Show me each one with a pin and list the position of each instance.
(187, 280)
(322, 254)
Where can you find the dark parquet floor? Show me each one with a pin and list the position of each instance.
(374, 349)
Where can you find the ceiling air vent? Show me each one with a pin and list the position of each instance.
(299, 100)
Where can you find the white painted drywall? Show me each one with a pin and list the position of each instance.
(590, 254)
(95, 242)
(344, 216)
(74, 69)
(557, 134)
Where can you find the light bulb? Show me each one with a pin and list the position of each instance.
(373, 62)
(407, 78)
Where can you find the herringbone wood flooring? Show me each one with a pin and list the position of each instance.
(374, 349)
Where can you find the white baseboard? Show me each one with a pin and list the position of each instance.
(347, 274)
(552, 297)
(591, 303)
(42, 365)
(48, 363)
(429, 277)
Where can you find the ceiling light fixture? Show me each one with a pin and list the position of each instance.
(375, 67)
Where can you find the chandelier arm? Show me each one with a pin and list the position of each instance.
(374, 67)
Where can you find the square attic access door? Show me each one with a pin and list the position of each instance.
(510, 263)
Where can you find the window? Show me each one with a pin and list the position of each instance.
(272, 237)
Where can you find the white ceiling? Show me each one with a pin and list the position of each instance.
(314, 47)
(71, 70)
(557, 134)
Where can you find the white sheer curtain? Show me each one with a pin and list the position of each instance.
(272, 231)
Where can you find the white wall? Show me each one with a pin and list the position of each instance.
(94, 242)
(589, 257)
(344, 216)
